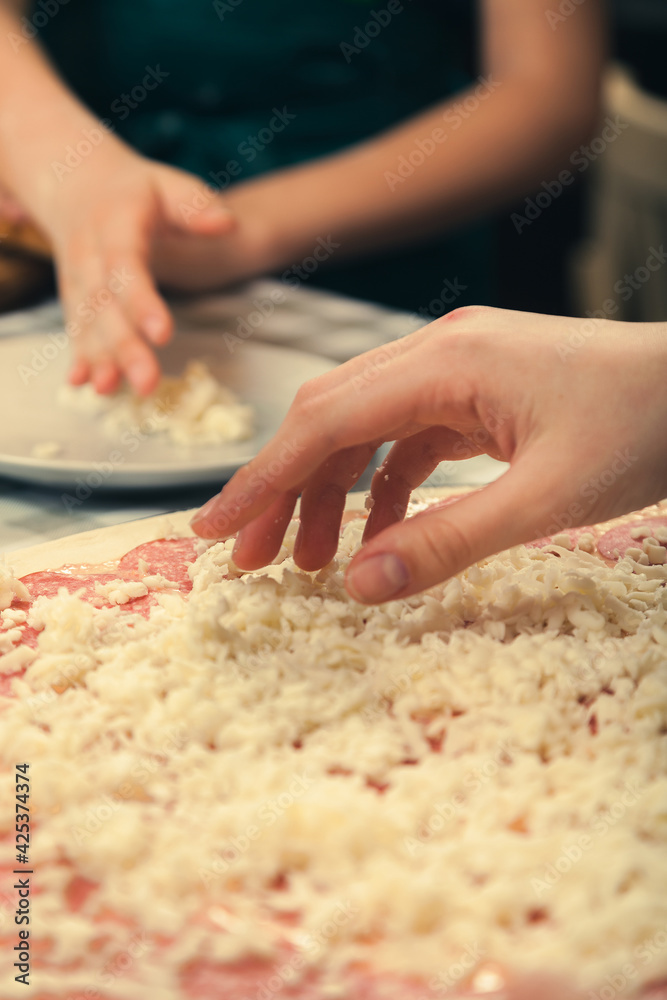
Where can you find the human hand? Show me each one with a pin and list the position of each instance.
(583, 428)
(103, 221)
(262, 241)
(11, 210)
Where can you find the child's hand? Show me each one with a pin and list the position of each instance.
(11, 211)
(102, 225)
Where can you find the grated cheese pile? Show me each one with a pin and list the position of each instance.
(515, 719)
(193, 409)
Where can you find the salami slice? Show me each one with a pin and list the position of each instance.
(47, 584)
(615, 542)
(574, 534)
(169, 557)
(6, 682)
(255, 979)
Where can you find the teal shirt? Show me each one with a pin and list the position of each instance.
(233, 88)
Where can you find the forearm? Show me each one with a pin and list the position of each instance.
(39, 119)
(536, 103)
(517, 125)
(418, 180)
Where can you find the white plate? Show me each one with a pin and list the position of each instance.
(308, 318)
(265, 376)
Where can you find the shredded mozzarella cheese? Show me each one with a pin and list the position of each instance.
(194, 409)
(478, 770)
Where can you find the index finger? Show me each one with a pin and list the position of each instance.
(355, 404)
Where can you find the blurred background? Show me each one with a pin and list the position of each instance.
(601, 227)
(582, 252)
(594, 246)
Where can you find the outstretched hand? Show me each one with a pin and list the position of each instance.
(102, 231)
(577, 407)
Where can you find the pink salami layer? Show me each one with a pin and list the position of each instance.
(615, 542)
(252, 979)
(200, 979)
(47, 584)
(6, 682)
(574, 534)
(169, 557)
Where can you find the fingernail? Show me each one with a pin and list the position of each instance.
(204, 512)
(212, 520)
(378, 578)
(238, 543)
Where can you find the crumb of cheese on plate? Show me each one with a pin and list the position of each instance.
(192, 409)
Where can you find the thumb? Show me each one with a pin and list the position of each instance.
(191, 206)
(435, 545)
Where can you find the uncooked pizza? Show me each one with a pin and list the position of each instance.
(245, 785)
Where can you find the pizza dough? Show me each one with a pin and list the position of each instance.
(284, 791)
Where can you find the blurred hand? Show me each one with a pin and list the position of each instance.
(10, 209)
(577, 407)
(103, 220)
